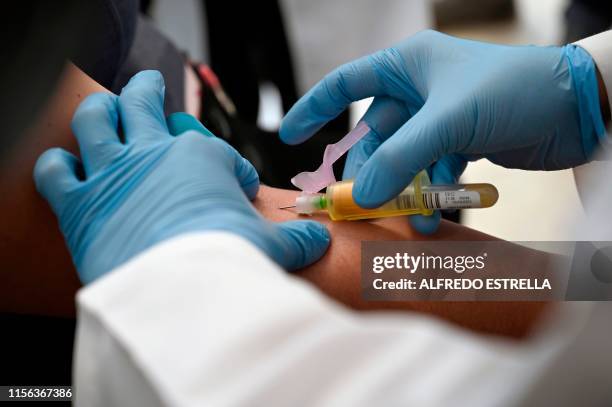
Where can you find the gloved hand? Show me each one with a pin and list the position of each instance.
(127, 196)
(441, 101)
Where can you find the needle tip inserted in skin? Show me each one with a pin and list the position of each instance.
(286, 207)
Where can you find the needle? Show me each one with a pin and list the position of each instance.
(286, 207)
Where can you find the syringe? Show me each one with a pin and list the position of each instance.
(418, 198)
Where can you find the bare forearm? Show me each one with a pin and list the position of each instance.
(338, 273)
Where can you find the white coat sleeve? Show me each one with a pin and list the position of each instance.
(208, 320)
(600, 48)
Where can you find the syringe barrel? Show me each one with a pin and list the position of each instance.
(341, 206)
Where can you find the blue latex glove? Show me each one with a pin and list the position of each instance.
(441, 101)
(127, 196)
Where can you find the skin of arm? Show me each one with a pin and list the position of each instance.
(39, 277)
(338, 273)
(35, 266)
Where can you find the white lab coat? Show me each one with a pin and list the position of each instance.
(208, 320)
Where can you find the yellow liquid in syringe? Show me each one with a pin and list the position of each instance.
(418, 198)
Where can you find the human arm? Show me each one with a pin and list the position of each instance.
(46, 283)
(338, 273)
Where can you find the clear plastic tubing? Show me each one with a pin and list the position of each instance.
(418, 198)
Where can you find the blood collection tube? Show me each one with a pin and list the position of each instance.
(420, 197)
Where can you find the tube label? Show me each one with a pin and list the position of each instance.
(451, 200)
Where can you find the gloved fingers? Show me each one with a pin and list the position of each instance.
(141, 107)
(417, 144)
(181, 122)
(448, 169)
(425, 225)
(359, 154)
(247, 175)
(327, 99)
(384, 117)
(244, 171)
(95, 126)
(55, 173)
(301, 242)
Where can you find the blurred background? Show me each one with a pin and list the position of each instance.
(324, 34)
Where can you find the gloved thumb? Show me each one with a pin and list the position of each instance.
(301, 242)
